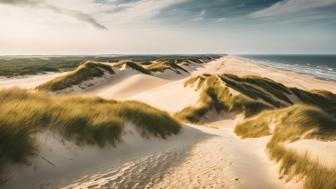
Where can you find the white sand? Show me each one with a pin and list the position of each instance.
(121, 88)
(235, 65)
(171, 97)
(324, 152)
(67, 162)
(27, 82)
(199, 157)
(225, 161)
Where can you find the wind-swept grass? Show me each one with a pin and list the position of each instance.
(136, 66)
(288, 125)
(216, 96)
(252, 90)
(324, 100)
(86, 71)
(84, 120)
(277, 89)
(162, 65)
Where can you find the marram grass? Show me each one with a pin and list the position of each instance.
(269, 111)
(86, 71)
(215, 95)
(288, 125)
(84, 120)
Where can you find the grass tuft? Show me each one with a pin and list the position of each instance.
(288, 125)
(86, 71)
(84, 120)
(162, 65)
(216, 96)
(131, 64)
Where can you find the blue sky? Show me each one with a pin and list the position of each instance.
(167, 26)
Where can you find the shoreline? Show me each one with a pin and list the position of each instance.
(284, 69)
(290, 78)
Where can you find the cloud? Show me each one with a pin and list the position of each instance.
(199, 17)
(43, 4)
(293, 7)
(133, 11)
(222, 19)
(214, 9)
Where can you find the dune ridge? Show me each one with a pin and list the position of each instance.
(235, 121)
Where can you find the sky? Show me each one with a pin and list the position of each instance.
(167, 26)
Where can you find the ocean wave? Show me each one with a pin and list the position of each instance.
(323, 71)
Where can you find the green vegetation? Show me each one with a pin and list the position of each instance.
(23, 65)
(89, 69)
(258, 89)
(288, 125)
(133, 65)
(162, 65)
(215, 95)
(86, 71)
(267, 85)
(324, 100)
(84, 120)
(249, 95)
(20, 65)
(269, 111)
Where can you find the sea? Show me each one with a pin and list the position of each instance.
(318, 66)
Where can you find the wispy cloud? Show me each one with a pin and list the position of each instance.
(222, 19)
(199, 17)
(69, 12)
(293, 6)
(139, 9)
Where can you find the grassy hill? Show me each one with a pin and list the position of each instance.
(83, 120)
(272, 109)
(86, 71)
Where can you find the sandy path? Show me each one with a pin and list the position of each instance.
(225, 161)
(221, 160)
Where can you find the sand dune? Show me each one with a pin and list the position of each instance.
(61, 162)
(199, 157)
(171, 97)
(28, 82)
(225, 161)
(324, 152)
(123, 87)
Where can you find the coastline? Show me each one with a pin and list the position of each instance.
(286, 77)
(259, 62)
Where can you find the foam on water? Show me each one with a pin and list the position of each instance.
(319, 66)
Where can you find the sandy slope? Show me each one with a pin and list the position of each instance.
(220, 160)
(62, 162)
(225, 161)
(199, 157)
(29, 81)
(324, 152)
(171, 97)
(120, 88)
